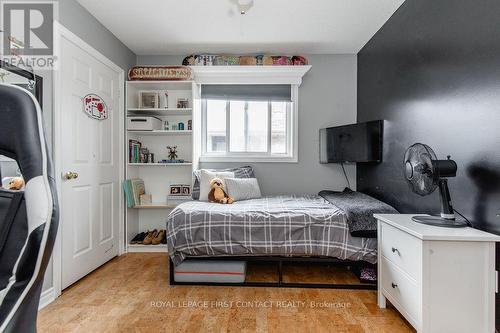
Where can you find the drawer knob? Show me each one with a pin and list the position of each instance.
(394, 250)
(394, 285)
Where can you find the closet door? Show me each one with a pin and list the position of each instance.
(90, 171)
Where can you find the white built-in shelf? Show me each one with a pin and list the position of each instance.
(155, 205)
(160, 164)
(162, 132)
(147, 248)
(161, 111)
(158, 176)
(249, 74)
(152, 85)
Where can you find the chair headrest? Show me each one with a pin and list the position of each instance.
(21, 134)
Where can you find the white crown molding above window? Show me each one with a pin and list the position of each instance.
(249, 74)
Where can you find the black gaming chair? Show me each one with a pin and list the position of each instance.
(29, 218)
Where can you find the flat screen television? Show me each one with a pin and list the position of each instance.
(359, 143)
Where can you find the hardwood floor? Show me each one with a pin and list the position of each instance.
(131, 294)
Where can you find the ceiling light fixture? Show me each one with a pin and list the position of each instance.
(244, 5)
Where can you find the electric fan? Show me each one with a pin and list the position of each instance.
(424, 173)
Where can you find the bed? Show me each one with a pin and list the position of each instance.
(286, 226)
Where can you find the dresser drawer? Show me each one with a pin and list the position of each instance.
(403, 290)
(402, 249)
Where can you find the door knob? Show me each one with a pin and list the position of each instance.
(70, 175)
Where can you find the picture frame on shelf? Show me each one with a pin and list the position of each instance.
(186, 190)
(175, 190)
(180, 190)
(182, 103)
(149, 99)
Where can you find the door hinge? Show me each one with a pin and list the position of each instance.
(496, 282)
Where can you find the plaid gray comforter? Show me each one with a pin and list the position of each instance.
(280, 225)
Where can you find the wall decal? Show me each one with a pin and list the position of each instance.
(95, 107)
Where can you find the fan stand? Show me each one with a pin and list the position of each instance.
(439, 221)
(447, 218)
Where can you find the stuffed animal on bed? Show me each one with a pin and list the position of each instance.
(217, 193)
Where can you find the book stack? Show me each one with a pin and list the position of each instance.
(134, 148)
(133, 188)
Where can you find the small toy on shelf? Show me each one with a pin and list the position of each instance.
(172, 152)
(248, 61)
(299, 61)
(281, 61)
(188, 61)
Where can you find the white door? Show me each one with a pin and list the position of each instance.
(89, 149)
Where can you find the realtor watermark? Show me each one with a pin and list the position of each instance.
(225, 304)
(28, 33)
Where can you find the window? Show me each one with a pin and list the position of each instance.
(249, 123)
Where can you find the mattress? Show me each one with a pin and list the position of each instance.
(292, 225)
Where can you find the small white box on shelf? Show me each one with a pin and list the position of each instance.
(177, 199)
(143, 123)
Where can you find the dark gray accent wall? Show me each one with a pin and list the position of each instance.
(433, 73)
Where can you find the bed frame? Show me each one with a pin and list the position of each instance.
(280, 283)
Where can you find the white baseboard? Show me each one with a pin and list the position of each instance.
(147, 248)
(46, 298)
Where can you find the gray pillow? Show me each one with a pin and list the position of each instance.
(242, 188)
(239, 172)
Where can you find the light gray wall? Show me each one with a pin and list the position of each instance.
(79, 21)
(327, 97)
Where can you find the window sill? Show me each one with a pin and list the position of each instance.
(249, 159)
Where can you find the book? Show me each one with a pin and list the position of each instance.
(145, 199)
(138, 189)
(134, 147)
(127, 188)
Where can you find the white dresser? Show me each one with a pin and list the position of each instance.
(440, 279)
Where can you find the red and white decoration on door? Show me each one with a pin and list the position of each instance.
(95, 107)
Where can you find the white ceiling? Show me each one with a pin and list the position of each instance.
(181, 27)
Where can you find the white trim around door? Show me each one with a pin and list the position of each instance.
(61, 32)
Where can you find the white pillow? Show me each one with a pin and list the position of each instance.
(242, 188)
(205, 178)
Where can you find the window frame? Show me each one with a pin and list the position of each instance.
(292, 138)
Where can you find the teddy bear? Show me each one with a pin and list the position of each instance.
(217, 193)
(16, 183)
